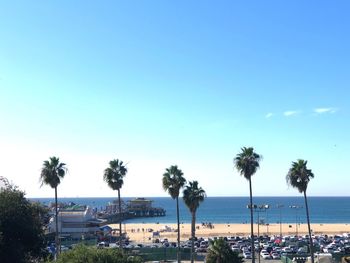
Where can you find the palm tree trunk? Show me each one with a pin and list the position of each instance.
(309, 228)
(252, 220)
(193, 234)
(56, 221)
(120, 219)
(178, 230)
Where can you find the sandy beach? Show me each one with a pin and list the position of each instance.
(143, 232)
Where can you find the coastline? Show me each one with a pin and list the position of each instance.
(141, 232)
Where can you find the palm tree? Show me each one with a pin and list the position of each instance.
(299, 177)
(220, 252)
(247, 162)
(173, 181)
(193, 196)
(51, 174)
(113, 176)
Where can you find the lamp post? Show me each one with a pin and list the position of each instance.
(279, 206)
(255, 207)
(266, 207)
(258, 209)
(296, 207)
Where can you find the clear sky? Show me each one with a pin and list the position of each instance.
(157, 83)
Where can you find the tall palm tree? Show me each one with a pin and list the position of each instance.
(113, 176)
(220, 252)
(51, 174)
(173, 181)
(299, 177)
(247, 163)
(193, 196)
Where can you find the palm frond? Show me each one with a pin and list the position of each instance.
(247, 162)
(114, 174)
(173, 181)
(52, 172)
(193, 196)
(299, 175)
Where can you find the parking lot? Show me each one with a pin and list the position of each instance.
(263, 260)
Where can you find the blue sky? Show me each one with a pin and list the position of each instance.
(156, 83)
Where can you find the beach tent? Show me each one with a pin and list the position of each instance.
(166, 228)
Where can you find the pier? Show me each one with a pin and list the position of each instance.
(138, 207)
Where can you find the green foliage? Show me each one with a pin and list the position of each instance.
(21, 238)
(299, 176)
(173, 181)
(52, 172)
(193, 196)
(84, 254)
(114, 174)
(247, 162)
(220, 252)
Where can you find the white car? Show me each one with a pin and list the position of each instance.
(247, 254)
(287, 250)
(235, 248)
(275, 256)
(265, 255)
(263, 251)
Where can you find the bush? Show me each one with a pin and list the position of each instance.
(220, 252)
(21, 234)
(84, 254)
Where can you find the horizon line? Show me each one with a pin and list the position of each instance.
(283, 196)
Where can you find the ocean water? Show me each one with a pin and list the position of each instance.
(234, 209)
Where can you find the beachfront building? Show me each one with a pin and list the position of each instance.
(76, 221)
(140, 203)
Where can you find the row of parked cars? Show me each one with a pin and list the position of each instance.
(273, 247)
(268, 247)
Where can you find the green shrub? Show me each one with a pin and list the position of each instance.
(84, 254)
(21, 234)
(220, 252)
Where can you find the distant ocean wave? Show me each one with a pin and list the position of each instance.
(234, 209)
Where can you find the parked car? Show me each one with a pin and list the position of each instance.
(265, 255)
(102, 244)
(247, 254)
(275, 256)
(235, 248)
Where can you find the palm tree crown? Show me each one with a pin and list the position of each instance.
(173, 181)
(193, 196)
(52, 172)
(299, 176)
(115, 173)
(247, 162)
